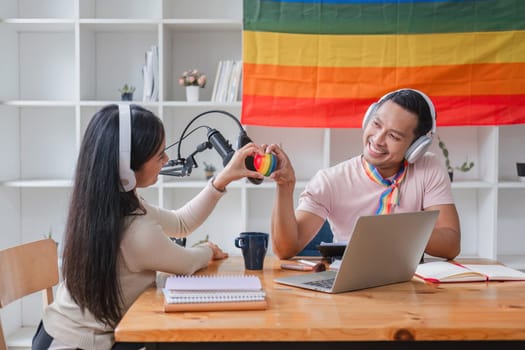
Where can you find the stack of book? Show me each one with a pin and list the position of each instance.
(209, 293)
(150, 75)
(227, 83)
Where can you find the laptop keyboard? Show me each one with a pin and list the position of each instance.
(322, 283)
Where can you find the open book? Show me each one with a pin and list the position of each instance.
(218, 292)
(443, 271)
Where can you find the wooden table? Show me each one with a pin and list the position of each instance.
(479, 315)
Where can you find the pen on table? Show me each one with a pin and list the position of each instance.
(307, 262)
(301, 267)
(298, 267)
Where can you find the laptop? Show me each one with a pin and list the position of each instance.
(383, 249)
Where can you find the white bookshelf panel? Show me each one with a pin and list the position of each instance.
(191, 9)
(476, 215)
(190, 49)
(51, 154)
(345, 144)
(511, 150)
(46, 65)
(38, 9)
(120, 8)
(111, 56)
(9, 63)
(9, 143)
(222, 226)
(259, 205)
(9, 217)
(40, 215)
(511, 222)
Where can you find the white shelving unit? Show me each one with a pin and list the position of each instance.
(63, 60)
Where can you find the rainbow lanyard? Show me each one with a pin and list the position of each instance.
(390, 197)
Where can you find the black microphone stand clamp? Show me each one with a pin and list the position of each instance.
(183, 166)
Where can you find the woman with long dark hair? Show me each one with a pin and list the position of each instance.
(115, 241)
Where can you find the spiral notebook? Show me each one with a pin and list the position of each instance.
(214, 293)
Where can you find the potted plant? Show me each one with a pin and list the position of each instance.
(126, 92)
(209, 169)
(466, 166)
(193, 80)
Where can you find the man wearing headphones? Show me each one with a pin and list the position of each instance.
(393, 175)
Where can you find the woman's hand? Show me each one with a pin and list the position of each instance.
(218, 253)
(236, 168)
(284, 174)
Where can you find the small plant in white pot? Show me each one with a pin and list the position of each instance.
(209, 170)
(126, 92)
(466, 166)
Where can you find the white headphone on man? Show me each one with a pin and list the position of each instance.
(419, 146)
(127, 176)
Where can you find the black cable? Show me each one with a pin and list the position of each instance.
(182, 136)
(191, 132)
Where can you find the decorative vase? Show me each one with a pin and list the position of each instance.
(192, 93)
(126, 96)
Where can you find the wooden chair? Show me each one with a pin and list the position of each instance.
(26, 269)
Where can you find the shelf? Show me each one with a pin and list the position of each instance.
(118, 25)
(43, 183)
(98, 104)
(40, 24)
(39, 103)
(208, 104)
(199, 25)
(471, 184)
(511, 184)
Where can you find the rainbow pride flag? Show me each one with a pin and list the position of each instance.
(321, 63)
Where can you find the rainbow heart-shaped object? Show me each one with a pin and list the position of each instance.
(265, 164)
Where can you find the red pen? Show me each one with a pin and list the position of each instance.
(316, 267)
(296, 267)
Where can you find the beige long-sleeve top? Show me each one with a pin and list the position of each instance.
(145, 249)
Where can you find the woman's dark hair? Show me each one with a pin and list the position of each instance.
(95, 222)
(413, 102)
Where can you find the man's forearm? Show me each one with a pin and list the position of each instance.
(444, 243)
(284, 224)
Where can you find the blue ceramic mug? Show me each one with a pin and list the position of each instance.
(254, 246)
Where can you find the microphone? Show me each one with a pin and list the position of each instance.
(221, 145)
(248, 162)
(225, 150)
(177, 167)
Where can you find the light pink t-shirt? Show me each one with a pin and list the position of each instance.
(344, 192)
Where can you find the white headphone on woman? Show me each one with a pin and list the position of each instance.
(419, 146)
(127, 176)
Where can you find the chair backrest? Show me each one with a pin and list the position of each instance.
(26, 269)
(324, 235)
